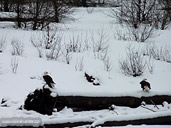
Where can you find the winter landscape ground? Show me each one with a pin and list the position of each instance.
(22, 74)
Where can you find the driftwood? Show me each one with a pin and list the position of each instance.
(153, 121)
(42, 101)
(95, 103)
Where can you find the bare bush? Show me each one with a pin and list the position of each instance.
(140, 18)
(90, 10)
(67, 53)
(165, 53)
(79, 64)
(2, 44)
(134, 63)
(75, 43)
(140, 34)
(158, 53)
(100, 44)
(48, 41)
(55, 51)
(136, 12)
(40, 51)
(150, 65)
(49, 38)
(121, 35)
(165, 10)
(14, 65)
(36, 40)
(17, 47)
(1, 70)
(108, 65)
(86, 43)
(45, 39)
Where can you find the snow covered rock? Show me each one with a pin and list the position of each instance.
(41, 100)
(5, 102)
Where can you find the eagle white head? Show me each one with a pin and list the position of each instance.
(45, 73)
(144, 79)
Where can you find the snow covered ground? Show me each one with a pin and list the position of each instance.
(142, 126)
(94, 117)
(70, 81)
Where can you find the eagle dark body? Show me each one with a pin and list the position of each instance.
(145, 83)
(91, 79)
(49, 81)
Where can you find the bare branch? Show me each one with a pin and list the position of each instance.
(14, 65)
(108, 65)
(17, 47)
(2, 43)
(79, 64)
(134, 63)
(67, 54)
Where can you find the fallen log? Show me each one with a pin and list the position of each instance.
(148, 121)
(96, 103)
(42, 101)
(166, 120)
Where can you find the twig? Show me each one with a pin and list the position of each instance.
(112, 108)
(148, 108)
(115, 112)
(36, 77)
(154, 103)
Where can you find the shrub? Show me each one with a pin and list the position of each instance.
(134, 64)
(17, 47)
(2, 44)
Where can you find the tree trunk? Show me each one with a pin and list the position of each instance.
(56, 16)
(35, 19)
(18, 15)
(164, 22)
(6, 3)
(84, 3)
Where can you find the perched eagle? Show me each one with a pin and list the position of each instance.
(48, 79)
(145, 85)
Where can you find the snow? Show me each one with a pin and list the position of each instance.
(141, 126)
(94, 117)
(130, 117)
(71, 82)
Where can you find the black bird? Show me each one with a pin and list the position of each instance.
(91, 79)
(145, 85)
(48, 79)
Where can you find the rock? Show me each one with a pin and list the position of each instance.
(40, 101)
(5, 102)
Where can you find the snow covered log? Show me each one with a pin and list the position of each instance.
(45, 100)
(148, 121)
(95, 103)
(153, 119)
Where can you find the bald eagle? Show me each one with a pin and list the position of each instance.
(48, 79)
(145, 85)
